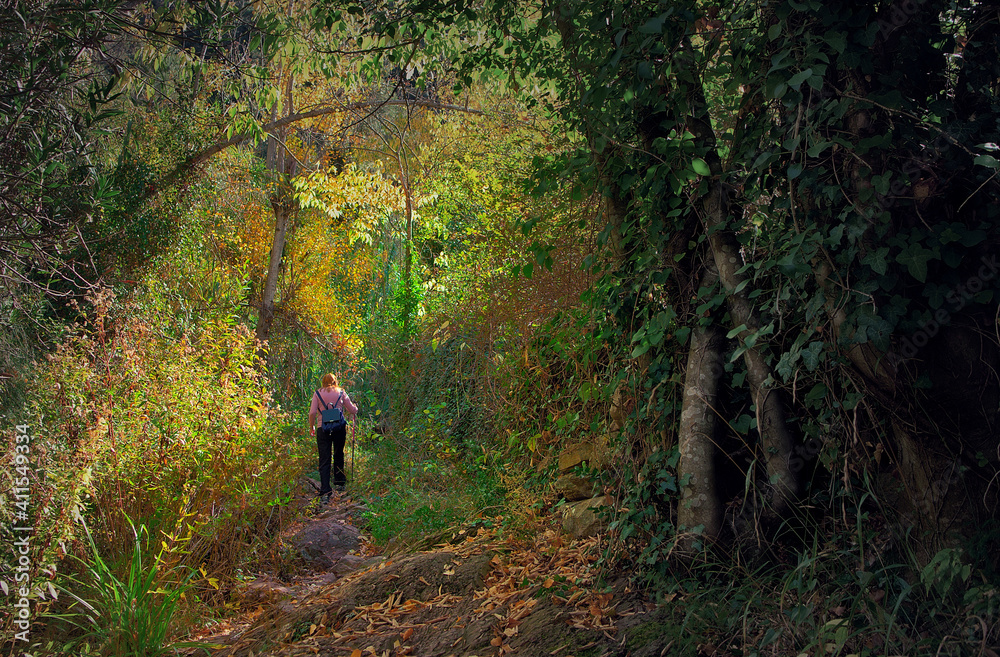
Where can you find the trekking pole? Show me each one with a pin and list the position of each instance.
(354, 446)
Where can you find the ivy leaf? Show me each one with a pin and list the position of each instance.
(742, 424)
(796, 80)
(876, 260)
(987, 161)
(816, 394)
(836, 40)
(736, 331)
(972, 237)
(762, 159)
(811, 355)
(819, 148)
(915, 258)
(654, 25)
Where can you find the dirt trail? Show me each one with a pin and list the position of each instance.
(475, 596)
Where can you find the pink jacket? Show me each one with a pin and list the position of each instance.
(330, 398)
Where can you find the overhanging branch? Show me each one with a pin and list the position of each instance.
(200, 158)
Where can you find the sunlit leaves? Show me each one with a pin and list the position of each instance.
(365, 198)
(182, 420)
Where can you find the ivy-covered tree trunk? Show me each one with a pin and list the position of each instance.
(891, 178)
(858, 143)
(699, 510)
(776, 439)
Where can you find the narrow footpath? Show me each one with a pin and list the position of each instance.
(473, 596)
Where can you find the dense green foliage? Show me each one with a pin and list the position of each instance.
(816, 178)
(799, 114)
(781, 217)
(53, 106)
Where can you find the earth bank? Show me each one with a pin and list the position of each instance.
(476, 595)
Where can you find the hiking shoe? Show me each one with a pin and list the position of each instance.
(340, 488)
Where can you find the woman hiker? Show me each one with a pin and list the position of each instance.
(332, 396)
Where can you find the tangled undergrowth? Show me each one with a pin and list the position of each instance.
(139, 424)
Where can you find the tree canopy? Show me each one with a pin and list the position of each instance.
(748, 251)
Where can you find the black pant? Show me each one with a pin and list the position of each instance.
(324, 442)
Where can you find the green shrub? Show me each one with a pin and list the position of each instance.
(127, 616)
(174, 431)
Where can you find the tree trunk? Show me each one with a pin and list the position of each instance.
(937, 504)
(282, 217)
(775, 437)
(283, 205)
(699, 504)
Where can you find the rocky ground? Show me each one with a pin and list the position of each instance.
(475, 595)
